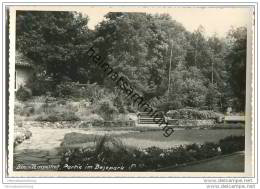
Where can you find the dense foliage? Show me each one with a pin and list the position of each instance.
(206, 72)
(54, 41)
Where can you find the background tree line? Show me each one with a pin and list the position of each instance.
(206, 72)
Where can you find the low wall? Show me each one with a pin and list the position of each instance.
(78, 124)
(190, 123)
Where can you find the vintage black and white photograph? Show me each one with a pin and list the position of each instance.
(130, 89)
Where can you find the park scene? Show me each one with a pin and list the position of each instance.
(137, 92)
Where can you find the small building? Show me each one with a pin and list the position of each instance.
(23, 70)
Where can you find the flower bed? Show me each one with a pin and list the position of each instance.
(190, 123)
(192, 114)
(110, 152)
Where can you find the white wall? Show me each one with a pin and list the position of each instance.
(22, 76)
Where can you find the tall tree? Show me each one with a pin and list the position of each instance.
(138, 46)
(236, 65)
(53, 40)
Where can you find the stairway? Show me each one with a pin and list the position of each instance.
(145, 118)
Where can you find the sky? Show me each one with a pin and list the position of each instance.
(214, 20)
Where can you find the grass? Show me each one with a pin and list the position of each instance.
(156, 138)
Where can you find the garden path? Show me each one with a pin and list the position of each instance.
(43, 148)
(228, 163)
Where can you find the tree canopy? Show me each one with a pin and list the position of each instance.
(205, 72)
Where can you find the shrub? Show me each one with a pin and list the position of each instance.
(232, 144)
(92, 118)
(40, 86)
(166, 106)
(119, 103)
(18, 107)
(106, 109)
(107, 151)
(85, 114)
(58, 116)
(194, 114)
(68, 116)
(62, 102)
(131, 109)
(98, 123)
(27, 110)
(90, 92)
(209, 150)
(27, 134)
(23, 94)
(65, 90)
(47, 117)
(39, 99)
(46, 108)
(93, 92)
(153, 158)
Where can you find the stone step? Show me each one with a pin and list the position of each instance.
(150, 118)
(147, 122)
(145, 118)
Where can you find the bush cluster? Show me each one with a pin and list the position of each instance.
(111, 152)
(65, 90)
(106, 109)
(232, 144)
(53, 109)
(194, 114)
(23, 94)
(91, 92)
(58, 116)
(166, 106)
(40, 86)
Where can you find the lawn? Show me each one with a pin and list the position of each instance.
(155, 138)
(179, 137)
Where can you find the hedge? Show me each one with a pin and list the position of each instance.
(194, 114)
